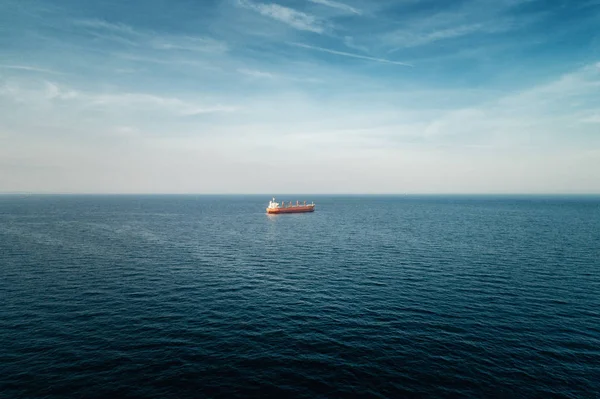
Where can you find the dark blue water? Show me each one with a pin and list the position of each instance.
(187, 296)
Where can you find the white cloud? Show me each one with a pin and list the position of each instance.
(350, 43)
(253, 73)
(582, 81)
(380, 132)
(188, 43)
(471, 18)
(538, 116)
(28, 68)
(51, 92)
(413, 37)
(595, 118)
(97, 24)
(295, 19)
(345, 54)
(126, 34)
(191, 110)
(149, 102)
(257, 74)
(338, 5)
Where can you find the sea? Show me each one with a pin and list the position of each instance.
(186, 296)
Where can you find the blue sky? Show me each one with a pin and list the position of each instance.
(291, 96)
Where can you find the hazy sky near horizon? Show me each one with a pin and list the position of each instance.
(289, 96)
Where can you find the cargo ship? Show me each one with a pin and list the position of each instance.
(276, 207)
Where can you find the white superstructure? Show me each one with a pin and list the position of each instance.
(273, 204)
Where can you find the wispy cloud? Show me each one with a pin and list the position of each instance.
(295, 19)
(194, 63)
(115, 32)
(28, 68)
(345, 54)
(151, 102)
(589, 3)
(350, 43)
(187, 43)
(275, 76)
(257, 74)
(128, 35)
(191, 110)
(470, 19)
(570, 86)
(412, 38)
(338, 5)
(228, 85)
(592, 119)
(543, 115)
(55, 93)
(108, 26)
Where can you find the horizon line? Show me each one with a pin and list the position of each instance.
(270, 195)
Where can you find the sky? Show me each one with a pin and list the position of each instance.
(300, 96)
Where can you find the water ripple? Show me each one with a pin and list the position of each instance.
(379, 297)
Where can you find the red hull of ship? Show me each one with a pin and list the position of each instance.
(292, 209)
